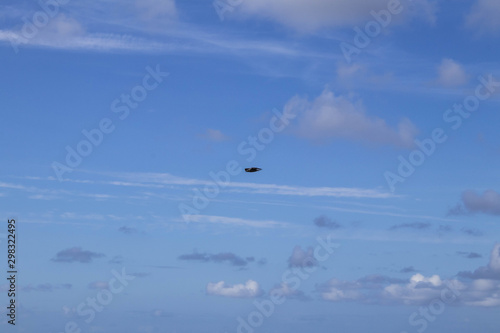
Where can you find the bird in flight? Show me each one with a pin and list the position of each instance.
(253, 169)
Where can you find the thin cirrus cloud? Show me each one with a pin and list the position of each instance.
(413, 225)
(146, 27)
(236, 221)
(76, 254)
(249, 289)
(330, 117)
(311, 15)
(256, 188)
(47, 287)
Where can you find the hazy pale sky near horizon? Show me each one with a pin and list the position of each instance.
(126, 126)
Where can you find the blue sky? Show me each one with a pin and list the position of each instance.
(126, 127)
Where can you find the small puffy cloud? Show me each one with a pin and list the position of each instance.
(484, 16)
(76, 254)
(116, 260)
(451, 74)
(469, 255)
(310, 15)
(325, 222)
(61, 27)
(231, 258)
(335, 294)
(99, 285)
(301, 258)
(195, 257)
(490, 271)
(487, 203)
(409, 269)
(472, 232)
(161, 313)
(480, 288)
(379, 289)
(329, 117)
(444, 229)
(127, 230)
(348, 71)
(215, 135)
(224, 257)
(248, 290)
(284, 290)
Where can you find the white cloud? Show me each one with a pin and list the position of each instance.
(288, 292)
(484, 16)
(248, 290)
(451, 73)
(329, 116)
(309, 15)
(480, 288)
(419, 289)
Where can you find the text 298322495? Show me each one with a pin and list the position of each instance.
(11, 270)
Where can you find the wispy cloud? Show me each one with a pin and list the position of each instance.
(414, 225)
(236, 221)
(46, 287)
(339, 192)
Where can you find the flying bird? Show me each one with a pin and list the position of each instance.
(253, 169)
